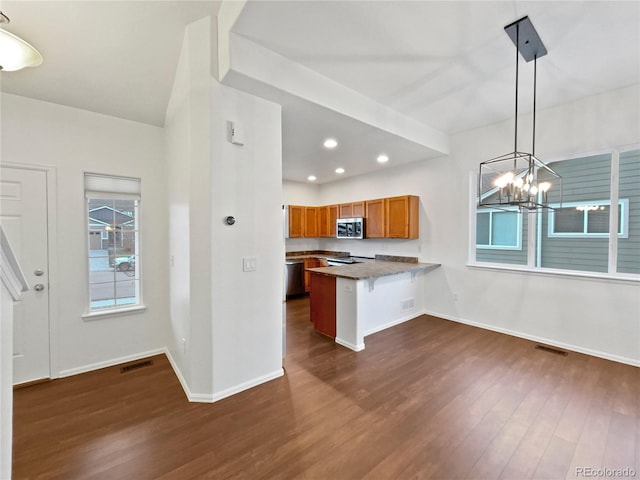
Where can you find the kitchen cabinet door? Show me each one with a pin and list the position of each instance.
(345, 210)
(323, 304)
(358, 209)
(333, 217)
(296, 221)
(402, 217)
(323, 221)
(310, 222)
(310, 263)
(375, 219)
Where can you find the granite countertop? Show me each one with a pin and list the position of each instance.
(373, 269)
(314, 254)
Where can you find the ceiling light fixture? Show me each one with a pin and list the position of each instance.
(519, 179)
(15, 53)
(330, 143)
(312, 178)
(382, 158)
(339, 170)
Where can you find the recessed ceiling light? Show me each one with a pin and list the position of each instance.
(330, 143)
(339, 170)
(311, 178)
(382, 158)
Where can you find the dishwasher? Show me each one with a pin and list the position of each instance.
(294, 277)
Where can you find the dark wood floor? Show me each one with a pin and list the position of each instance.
(426, 399)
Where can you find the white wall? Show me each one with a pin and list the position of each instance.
(6, 383)
(598, 316)
(188, 149)
(230, 319)
(246, 183)
(74, 141)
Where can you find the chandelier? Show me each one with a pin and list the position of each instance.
(519, 179)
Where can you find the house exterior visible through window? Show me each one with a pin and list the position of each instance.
(113, 241)
(600, 194)
(498, 229)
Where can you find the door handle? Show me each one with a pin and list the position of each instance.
(38, 287)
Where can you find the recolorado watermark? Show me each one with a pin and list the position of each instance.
(593, 472)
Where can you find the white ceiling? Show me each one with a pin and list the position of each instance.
(112, 57)
(449, 65)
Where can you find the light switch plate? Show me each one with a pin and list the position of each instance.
(249, 264)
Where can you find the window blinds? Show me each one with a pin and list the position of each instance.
(109, 186)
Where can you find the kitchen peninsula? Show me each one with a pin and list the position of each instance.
(355, 300)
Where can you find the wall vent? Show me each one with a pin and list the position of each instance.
(544, 348)
(135, 366)
(407, 304)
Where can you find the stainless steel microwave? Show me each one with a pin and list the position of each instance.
(350, 228)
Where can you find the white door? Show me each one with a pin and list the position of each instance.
(23, 212)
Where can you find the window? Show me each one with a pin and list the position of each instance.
(113, 249)
(587, 219)
(496, 229)
(575, 234)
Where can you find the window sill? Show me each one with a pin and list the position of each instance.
(552, 272)
(114, 312)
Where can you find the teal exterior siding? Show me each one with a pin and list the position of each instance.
(629, 187)
(583, 179)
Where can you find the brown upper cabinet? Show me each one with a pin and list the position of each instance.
(332, 216)
(344, 210)
(310, 221)
(323, 221)
(375, 218)
(352, 210)
(394, 217)
(402, 217)
(296, 221)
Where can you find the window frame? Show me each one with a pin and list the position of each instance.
(535, 233)
(490, 246)
(623, 232)
(105, 192)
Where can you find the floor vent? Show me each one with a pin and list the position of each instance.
(552, 350)
(135, 366)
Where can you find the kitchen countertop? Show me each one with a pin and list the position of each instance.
(315, 254)
(373, 269)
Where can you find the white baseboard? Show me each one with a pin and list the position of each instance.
(214, 397)
(246, 385)
(109, 363)
(546, 341)
(349, 345)
(393, 323)
(178, 372)
(192, 397)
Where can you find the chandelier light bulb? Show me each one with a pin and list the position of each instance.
(544, 186)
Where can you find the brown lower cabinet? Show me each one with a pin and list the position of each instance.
(323, 304)
(311, 263)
